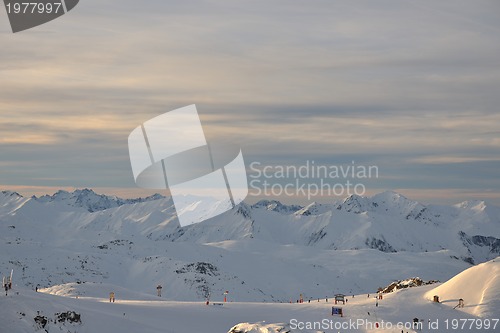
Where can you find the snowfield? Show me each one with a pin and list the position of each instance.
(77, 247)
(135, 312)
(478, 286)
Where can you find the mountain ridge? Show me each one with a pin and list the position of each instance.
(348, 246)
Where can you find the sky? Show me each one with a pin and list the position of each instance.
(411, 87)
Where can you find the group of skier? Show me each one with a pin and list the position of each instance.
(112, 294)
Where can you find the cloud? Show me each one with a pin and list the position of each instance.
(395, 83)
(453, 159)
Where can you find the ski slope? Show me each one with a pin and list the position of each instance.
(478, 286)
(135, 312)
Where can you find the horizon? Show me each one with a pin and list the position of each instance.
(250, 200)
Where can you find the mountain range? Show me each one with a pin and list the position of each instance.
(267, 251)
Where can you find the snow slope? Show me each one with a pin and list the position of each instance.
(133, 312)
(479, 286)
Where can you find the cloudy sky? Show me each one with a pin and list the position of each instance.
(410, 86)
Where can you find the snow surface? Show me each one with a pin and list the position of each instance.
(266, 252)
(82, 244)
(478, 286)
(135, 312)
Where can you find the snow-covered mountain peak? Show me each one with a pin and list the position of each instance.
(245, 210)
(355, 204)
(84, 198)
(389, 196)
(156, 196)
(10, 194)
(477, 205)
(489, 213)
(10, 200)
(91, 201)
(276, 206)
(314, 208)
(388, 203)
(393, 199)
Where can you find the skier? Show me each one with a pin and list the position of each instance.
(158, 289)
(111, 297)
